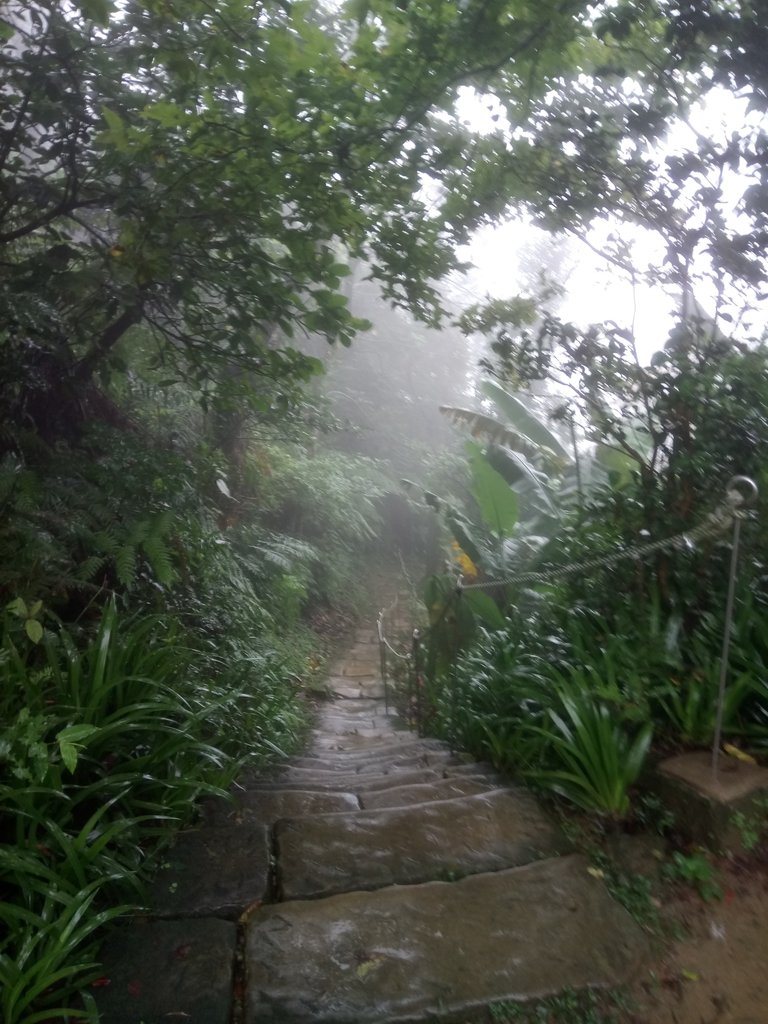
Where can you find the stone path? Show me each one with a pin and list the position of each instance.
(377, 878)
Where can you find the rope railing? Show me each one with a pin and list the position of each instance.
(728, 514)
(716, 523)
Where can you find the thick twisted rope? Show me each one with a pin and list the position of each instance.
(716, 523)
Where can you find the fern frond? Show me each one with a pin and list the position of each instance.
(88, 568)
(106, 541)
(125, 564)
(159, 556)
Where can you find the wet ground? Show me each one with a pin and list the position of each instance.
(717, 973)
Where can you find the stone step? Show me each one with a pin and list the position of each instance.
(356, 689)
(473, 768)
(334, 853)
(163, 971)
(266, 806)
(353, 720)
(342, 761)
(438, 950)
(314, 777)
(367, 732)
(364, 704)
(353, 783)
(213, 872)
(360, 763)
(398, 744)
(350, 743)
(443, 789)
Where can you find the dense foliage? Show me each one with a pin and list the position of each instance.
(185, 187)
(567, 690)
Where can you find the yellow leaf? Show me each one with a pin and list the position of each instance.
(596, 872)
(740, 755)
(367, 966)
(690, 975)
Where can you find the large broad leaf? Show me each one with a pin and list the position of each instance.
(526, 474)
(497, 501)
(485, 609)
(618, 465)
(523, 420)
(489, 429)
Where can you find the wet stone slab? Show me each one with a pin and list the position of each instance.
(266, 806)
(359, 760)
(474, 769)
(405, 796)
(357, 689)
(362, 767)
(438, 950)
(350, 743)
(449, 838)
(213, 872)
(353, 783)
(161, 971)
(367, 764)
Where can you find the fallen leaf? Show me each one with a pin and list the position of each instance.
(101, 982)
(250, 909)
(596, 872)
(690, 975)
(739, 754)
(367, 966)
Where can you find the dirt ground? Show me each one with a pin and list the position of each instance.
(718, 972)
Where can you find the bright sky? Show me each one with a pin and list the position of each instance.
(595, 289)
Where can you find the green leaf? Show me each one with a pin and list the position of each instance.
(169, 115)
(497, 501)
(18, 606)
(485, 608)
(70, 741)
(97, 10)
(619, 465)
(113, 121)
(34, 630)
(523, 420)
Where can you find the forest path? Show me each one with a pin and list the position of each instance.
(376, 878)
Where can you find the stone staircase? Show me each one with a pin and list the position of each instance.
(377, 878)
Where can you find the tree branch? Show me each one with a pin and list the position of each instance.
(108, 338)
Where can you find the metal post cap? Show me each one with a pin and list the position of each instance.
(748, 484)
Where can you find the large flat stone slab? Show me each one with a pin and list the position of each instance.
(366, 762)
(354, 782)
(336, 853)
(266, 806)
(357, 688)
(393, 746)
(405, 796)
(161, 971)
(360, 783)
(429, 952)
(363, 767)
(351, 743)
(213, 872)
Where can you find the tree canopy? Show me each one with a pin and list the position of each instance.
(183, 183)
